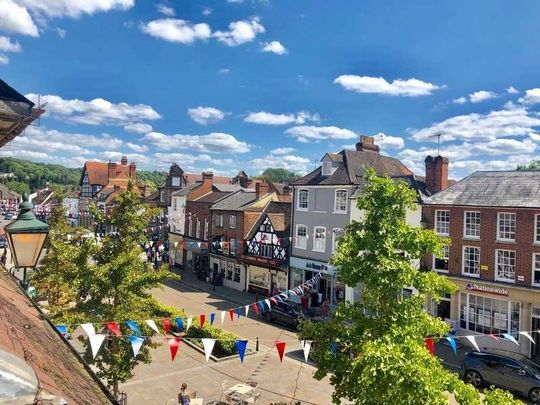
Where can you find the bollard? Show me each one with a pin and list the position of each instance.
(257, 344)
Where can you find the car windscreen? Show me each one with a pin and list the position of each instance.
(532, 366)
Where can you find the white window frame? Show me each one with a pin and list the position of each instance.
(533, 268)
(335, 239)
(537, 228)
(326, 169)
(173, 181)
(435, 257)
(304, 239)
(323, 250)
(190, 225)
(198, 229)
(162, 196)
(175, 204)
(336, 210)
(298, 207)
(463, 272)
(499, 225)
(437, 222)
(205, 236)
(476, 237)
(503, 279)
(232, 221)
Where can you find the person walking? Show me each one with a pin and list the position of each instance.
(183, 396)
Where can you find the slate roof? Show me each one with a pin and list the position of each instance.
(236, 201)
(186, 190)
(213, 196)
(226, 187)
(520, 189)
(8, 93)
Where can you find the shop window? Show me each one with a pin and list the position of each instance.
(442, 222)
(319, 240)
(441, 263)
(301, 237)
(471, 261)
(236, 275)
(506, 265)
(471, 227)
(229, 274)
(488, 315)
(506, 226)
(303, 200)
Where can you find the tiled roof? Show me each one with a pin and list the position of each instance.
(236, 201)
(280, 216)
(520, 189)
(98, 172)
(213, 196)
(193, 178)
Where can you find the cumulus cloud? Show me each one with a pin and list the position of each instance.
(138, 128)
(460, 100)
(307, 133)
(481, 95)
(206, 11)
(266, 118)
(95, 112)
(206, 115)
(532, 96)
(175, 30)
(135, 147)
(16, 19)
(4, 60)
(165, 10)
(282, 151)
(240, 32)
(366, 84)
(74, 9)
(215, 142)
(7, 46)
(293, 163)
(388, 141)
(82, 140)
(274, 47)
(224, 71)
(512, 90)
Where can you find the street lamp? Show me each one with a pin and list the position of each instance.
(26, 236)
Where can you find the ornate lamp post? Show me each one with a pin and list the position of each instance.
(26, 237)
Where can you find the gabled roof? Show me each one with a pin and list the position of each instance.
(519, 189)
(184, 191)
(213, 196)
(236, 201)
(8, 93)
(279, 214)
(98, 172)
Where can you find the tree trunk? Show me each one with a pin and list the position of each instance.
(115, 389)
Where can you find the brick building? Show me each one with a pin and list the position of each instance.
(493, 221)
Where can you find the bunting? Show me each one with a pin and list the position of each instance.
(173, 342)
(430, 345)
(509, 337)
(212, 318)
(188, 323)
(306, 347)
(208, 345)
(95, 343)
(223, 317)
(473, 342)
(255, 308)
(528, 336)
(88, 328)
(114, 328)
(452, 342)
(136, 344)
(179, 324)
(241, 347)
(238, 312)
(280, 346)
(133, 326)
(202, 320)
(231, 314)
(152, 325)
(247, 310)
(167, 326)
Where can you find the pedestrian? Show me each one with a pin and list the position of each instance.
(325, 309)
(304, 300)
(314, 299)
(183, 395)
(275, 290)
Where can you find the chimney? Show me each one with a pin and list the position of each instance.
(123, 161)
(111, 170)
(287, 190)
(436, 173)
(367, 144)
(132, 170)
(261, 189)
(207, 180)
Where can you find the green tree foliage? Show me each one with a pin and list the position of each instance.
(152, 179)
(278, 175)
(533, 165)
(18, 186)
(381, 357)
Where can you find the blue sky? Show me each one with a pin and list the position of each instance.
(229, 85)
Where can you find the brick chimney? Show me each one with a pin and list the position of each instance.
(367, 144)
(436, 173)
(111, 170)
(261, 189)
(204, 188)
(124, 161)
(132, 170)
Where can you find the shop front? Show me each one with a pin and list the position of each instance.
(176, 249)
(195, 258)
(232, 272)
(264, 274)
(328, 286)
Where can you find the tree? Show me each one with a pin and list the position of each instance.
(380, 354)
(18, 187)
(532, 165)
(278, 175)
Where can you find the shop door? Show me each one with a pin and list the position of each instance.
(535, 349)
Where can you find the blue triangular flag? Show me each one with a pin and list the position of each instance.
(136, 343)
(333, 347)
(241, 347)
(212, 318)
(510, 338)
(238, 312)
(278, 297)
(61, 328)
(261, 306)
(452, 342)
(133, 326)
(179, 324)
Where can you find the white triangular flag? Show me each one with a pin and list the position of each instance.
(208, 347)
(136, 344)
(88, 328)
(152, 325)
(473, 341)
(247, 310)
(95, 343)
(223, 313)
(306, 346)
(526, 334)
(188, 324)
(268, 303)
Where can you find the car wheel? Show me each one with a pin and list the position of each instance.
(534, 395)
(474, 378)
(268, 316)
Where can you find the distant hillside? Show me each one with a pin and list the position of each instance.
(31, 176)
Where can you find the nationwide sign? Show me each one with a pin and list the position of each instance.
(487, 289)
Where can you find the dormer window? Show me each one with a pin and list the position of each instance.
(175, 181)
(327, 168)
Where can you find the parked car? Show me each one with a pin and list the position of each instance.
(288, 313)
(503, 369)
(3, 242)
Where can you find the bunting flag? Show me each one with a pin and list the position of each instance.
(510, 338)
(255, 308)
(133, 326)
(247, 310)
(452, 342)
(473, 342)
(179, 324)
(88, 328)
(279, 298)
(491, 335)
(306, 347)
(223, 316)
(238, 312)
(430, 345)
(114, 328)
(528, 337)
(280, 346)
(208, 345)
(188, 323)
(202, 320)
(241, 347)
(231, 314)
(95, 343)
(166, 325)
(212, 318)
(274, 299)
(267, 302)
(62, 329)
(173, 342)
(152, 325)
(136, 344)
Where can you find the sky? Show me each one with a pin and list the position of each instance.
(225, 85)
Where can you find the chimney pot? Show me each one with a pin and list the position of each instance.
(436, 173)
(132, 169)
(367, 144)
(261, 189)
(124, 161)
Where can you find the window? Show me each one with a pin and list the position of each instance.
(175, 181)
(471, 261)
(471, 228)
(237, 271)
(174, 204)
(190, 225)
(301, 237)
(441, 263)
(442, 222)
(218, 220)
(337, 234)
(488, 315)
(340, 201)
(265, 250)
(205, 237)
(506, 265)
(319, 240)
(536, 269)
(232, 221)
(232, 247)
(303, 199)
(506, 228)
(162, 196)
(198, 230)
(229, 274)
(537, 228)
(327, 168)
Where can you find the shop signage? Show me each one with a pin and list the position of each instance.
(258, 260)
(487, 289)
(312, 265)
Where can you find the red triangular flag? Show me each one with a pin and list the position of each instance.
(255, 308)
(166, 325)
(114, 328)
(231, 313)
(173, 346)
(202, 318)
(430, 345)
(280, 346)
(274, 299)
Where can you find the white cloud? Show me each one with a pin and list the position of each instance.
(137, 147)
(224, 71)
(293, 163)
(504, 147)
(512, 90)
(206, 11)
(274, 47)
(282, 151)
(532, 96)
(206, 115)
(266, 118)
(82, 140)
(165, 10)
(95, 112)
(16, 19)
(460, 100)
(366, 84)
(132, 157)
(481, 95)
(174, 30)
(138, 128)
(61, 33)
(7, 46)
(307, 133)
(4, 60)
(388, 141)
(240, 32)
(74, 9)
(215, 142)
